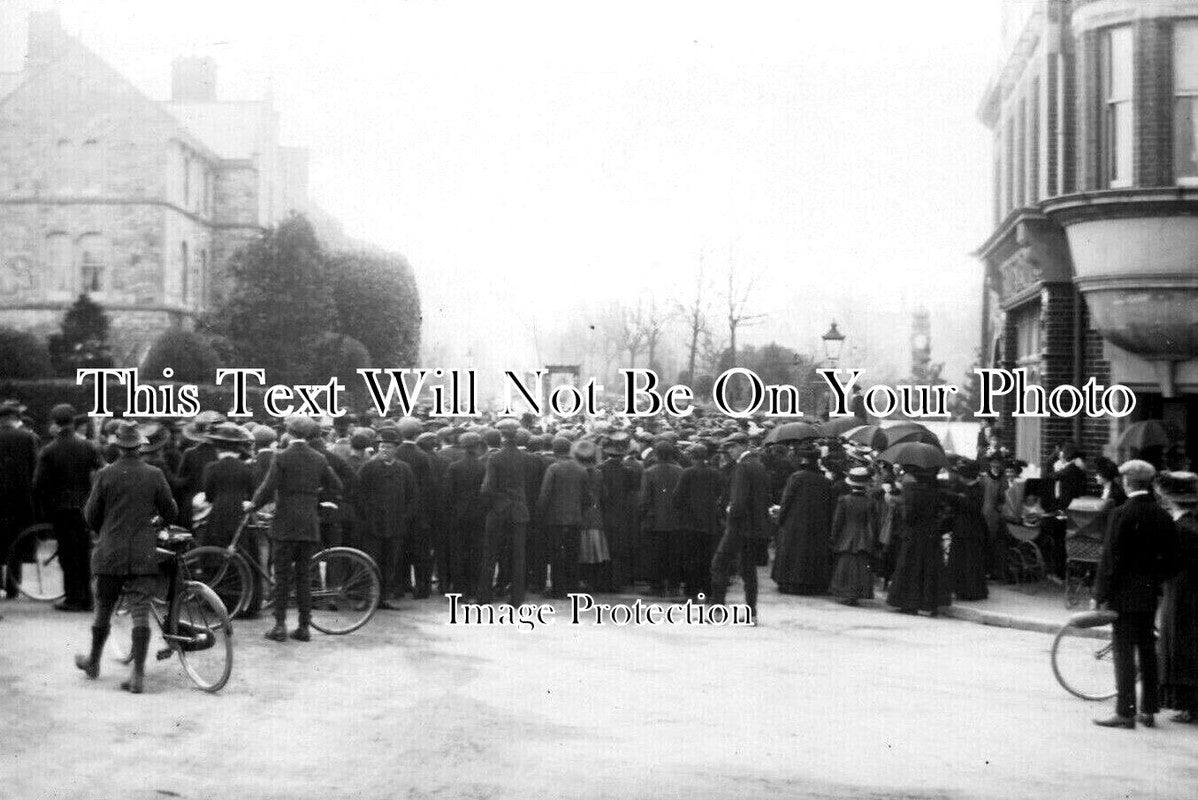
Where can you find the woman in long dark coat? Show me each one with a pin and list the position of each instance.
(919, 578)
(803, 562)
(228, 481)
(1178, 642)
(854, 536)
(967, 554)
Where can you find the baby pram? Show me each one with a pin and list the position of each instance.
(1021, 514)
(1083, 545)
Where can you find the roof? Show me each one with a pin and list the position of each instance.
(233, 130)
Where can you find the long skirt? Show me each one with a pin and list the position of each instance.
(851, 578)
(592, 547)
(967, 567)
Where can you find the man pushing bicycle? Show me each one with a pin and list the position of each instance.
(126, 496)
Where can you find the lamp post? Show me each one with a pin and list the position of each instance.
(833, 344)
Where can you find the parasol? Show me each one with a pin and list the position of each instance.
(838, 426)
(792, 432)
(1147, 433)
(872, 436)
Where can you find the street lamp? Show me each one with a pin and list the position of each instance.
(833, 343)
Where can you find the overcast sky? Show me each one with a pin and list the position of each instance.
(527, 154)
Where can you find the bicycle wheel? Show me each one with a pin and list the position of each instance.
(225, 573)
(199, 630)
(1082, 662)
(345, 589)
(33, 564)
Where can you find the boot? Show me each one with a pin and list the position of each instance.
(91, 664)
(278, 633)
(141, 646)
(301, 633)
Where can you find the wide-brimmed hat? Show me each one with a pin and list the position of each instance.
(197, 430)
(156, 436)
(858, 476)
(584, 450)
(1180, 487)
(128, 436)
(229, 433)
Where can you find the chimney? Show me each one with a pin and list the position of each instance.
(193, 80)
(47, 39)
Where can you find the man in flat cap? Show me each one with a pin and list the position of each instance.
(463, 502)
(295, 480)
(1140, 552)
(18, 458)
(504, 493)
(748, 524)
(417, 554)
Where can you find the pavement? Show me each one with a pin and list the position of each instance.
(820, 701)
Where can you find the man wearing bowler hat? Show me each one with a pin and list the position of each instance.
(296, 477)
(748, 524)
(387, 504)
(61, 483)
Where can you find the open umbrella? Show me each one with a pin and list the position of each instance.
(910, 432)
(1148, 433)
(792, 432)
(838, 426)
(915, 454)
(872, 436)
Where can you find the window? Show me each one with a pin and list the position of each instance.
(91, 263)
(1033, 146)
(1027, 356)
(63, 166)
(1118, 121)
(90, 168)
(58, 263)
(184, 271)
(1185, 102)
(203, 280)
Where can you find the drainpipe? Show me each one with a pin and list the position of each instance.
(1166, 377)
(1078, 358)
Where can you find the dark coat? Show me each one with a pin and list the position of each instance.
(1139, 553)
(426, 492)
(1179, 622)
(1072, 482)
(855, 524)
(189, 480)
(18, 460)
(65, 468)
(565, 494)
(463, 493)
(803, 561)
(967, 552)
(658, 511)
(619, 485)
(386, 498)
(127, 494)
(697, 499)
(749, 499)
(919, 577)
(534, 474)
(228, 482)
(503, 490)
(295, 480)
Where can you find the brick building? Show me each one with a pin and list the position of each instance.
(136, 202)
(1092, 268)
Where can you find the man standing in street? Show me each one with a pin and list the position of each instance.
(660, 518)
(504, 495)
(417, 554)
(1139, 553)
(387, 505)
(563, 499)
(747, 527)
(295, 480)
(61, 483)
(697, 501)
(18, 458)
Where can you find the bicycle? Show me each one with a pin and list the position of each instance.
(1083, 656)
(191, 619)
(346, 589)
(33, 565)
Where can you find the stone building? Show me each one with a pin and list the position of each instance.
(1092, 267)
(136, 202)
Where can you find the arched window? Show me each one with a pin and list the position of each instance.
(59, 276)
(92, 263)
(91, 169)
(184, 272)
(63, 165)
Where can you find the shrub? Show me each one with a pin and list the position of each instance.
(23, 355)
(192, 358)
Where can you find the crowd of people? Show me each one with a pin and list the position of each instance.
(495, 510)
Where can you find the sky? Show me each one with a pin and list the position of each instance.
(532, 159)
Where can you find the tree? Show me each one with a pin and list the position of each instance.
(192, 359)
(695, 317)
(279, 305)
(23, 355)
(339, 356)
(652, 323)
(83, 340)
(736, 297)
(378, 304)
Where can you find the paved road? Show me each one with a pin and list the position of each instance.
(822, 701)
